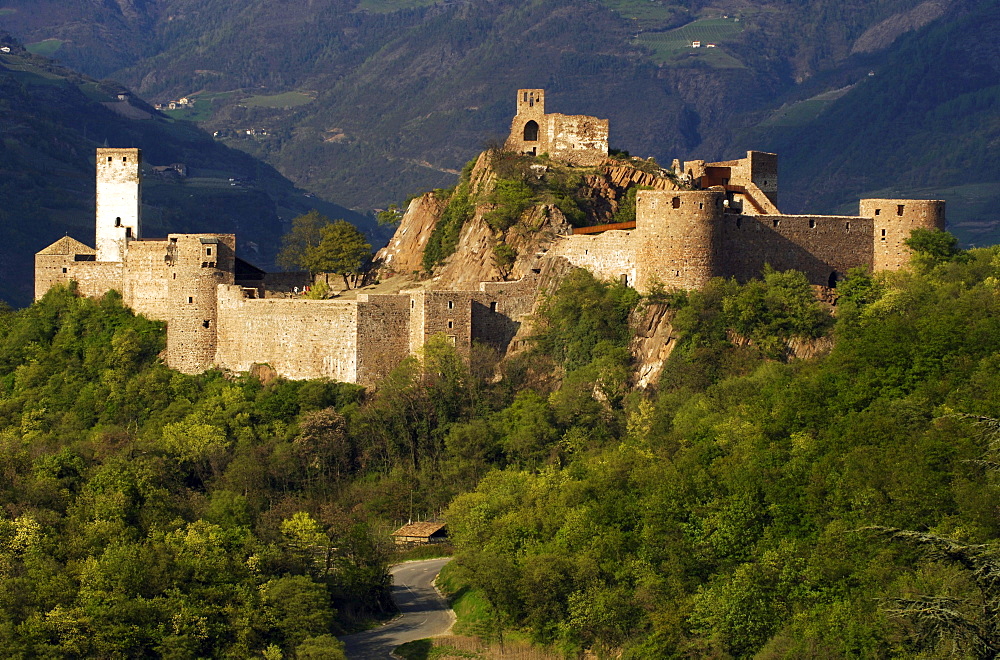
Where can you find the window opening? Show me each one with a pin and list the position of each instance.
(701, 205)
(847, 226)
(883, 234)
(493, 306)
(208, 252)
(812, 223)
(775, 222)
(878, 211)
(899, 209)
(64, 270)
(832, 282)
(451, 304)
(118, 222)
(190, 300)
(676, 202)
(206, 323)
(451, 324)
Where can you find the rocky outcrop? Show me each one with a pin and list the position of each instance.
(405, 252)
(653, 342)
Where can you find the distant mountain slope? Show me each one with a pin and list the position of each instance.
(370, 101)
(392, 96)
(924, 123)
(51, 120)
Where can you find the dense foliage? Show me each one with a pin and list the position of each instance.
(145, 512)
(755, 504)
(729, 515)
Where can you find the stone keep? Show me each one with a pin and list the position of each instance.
(119, 195)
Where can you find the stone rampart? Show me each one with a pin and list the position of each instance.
(383, 335)
(610, 255)
(822, 247)
(297, 338)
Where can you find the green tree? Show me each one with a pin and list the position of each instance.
(342, 249)
(933, 246)
(305, 234)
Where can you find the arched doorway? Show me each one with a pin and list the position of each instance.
(834, 276)
(531, 131)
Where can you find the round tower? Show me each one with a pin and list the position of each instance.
(198, 264)
(677, 237)
(893, 220)
(119, 195)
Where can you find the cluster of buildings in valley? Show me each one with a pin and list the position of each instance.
(223, 312)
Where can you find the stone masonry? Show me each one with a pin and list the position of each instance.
(728, 225)
(576, 139)
(222, 312)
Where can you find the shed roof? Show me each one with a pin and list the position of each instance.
(420, 529)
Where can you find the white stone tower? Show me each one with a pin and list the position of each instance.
(119, 194)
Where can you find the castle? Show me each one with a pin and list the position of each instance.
(223, 312)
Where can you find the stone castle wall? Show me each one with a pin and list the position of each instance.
(610, 255)
(822, 247)
(383, 335)
(298, 338)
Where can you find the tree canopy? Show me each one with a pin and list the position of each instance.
(342, 249)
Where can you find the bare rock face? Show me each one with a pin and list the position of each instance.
(653, 342)
(405, 252)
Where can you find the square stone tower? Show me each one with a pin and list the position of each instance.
(119, 195)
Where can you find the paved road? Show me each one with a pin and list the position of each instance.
(424, 612)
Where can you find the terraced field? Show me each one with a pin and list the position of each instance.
(46, 48)
(388, 6)
(285, 100)
(649, 15)
(675, 44)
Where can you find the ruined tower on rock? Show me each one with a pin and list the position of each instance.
(575, 139)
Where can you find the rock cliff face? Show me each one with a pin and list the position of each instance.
(404, 253)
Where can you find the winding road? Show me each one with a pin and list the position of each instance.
(424, 612)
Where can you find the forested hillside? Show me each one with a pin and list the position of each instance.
(365, 102)
(750, 504)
